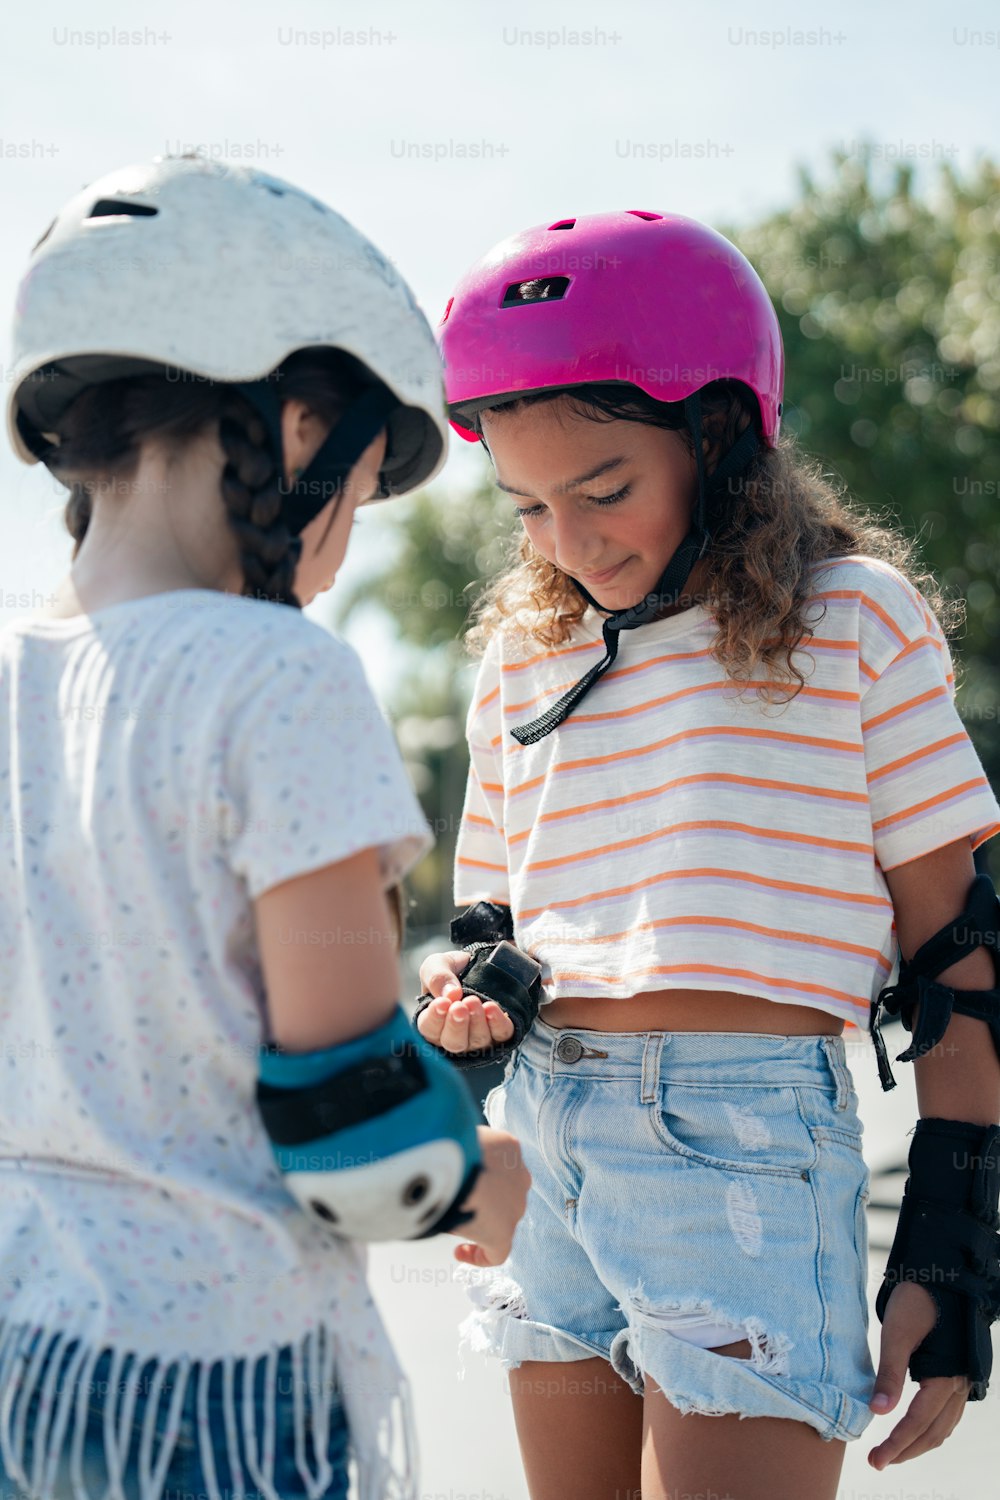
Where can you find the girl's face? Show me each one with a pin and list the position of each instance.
(606, 502)
(325, 539)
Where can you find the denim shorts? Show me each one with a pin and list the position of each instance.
(185, 1477)
(689, 1190)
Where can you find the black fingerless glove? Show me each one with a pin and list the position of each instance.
(947, 1241)
(497, 971)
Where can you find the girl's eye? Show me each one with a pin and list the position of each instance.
(535, 510)
(611, 499)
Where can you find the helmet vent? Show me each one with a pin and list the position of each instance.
(641, 214)
(106, 208)
(563, 224)
(540, 289)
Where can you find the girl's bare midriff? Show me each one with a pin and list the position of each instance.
(689, 1010)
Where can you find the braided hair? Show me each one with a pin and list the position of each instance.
(101, 432)
(100, 436)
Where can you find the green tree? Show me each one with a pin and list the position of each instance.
(889, 307)
(445, 548)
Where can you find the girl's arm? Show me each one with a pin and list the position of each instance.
(331, 973)
(959, 1079)
(328, 954)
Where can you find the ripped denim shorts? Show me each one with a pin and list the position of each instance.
(689, 1190)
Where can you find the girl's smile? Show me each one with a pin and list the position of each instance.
(609, 501)
(606, 576)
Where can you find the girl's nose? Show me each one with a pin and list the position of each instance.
(578, 549)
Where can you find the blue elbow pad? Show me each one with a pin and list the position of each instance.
(377, 1136)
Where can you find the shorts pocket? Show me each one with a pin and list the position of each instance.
(493, 1098)
(752, 1129)
(828, 1123)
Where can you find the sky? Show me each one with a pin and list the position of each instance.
(439, 129)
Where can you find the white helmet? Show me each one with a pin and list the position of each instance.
(217, 270)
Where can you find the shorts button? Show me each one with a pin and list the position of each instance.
(569, 1049)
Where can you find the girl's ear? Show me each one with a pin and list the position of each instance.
(302, 434)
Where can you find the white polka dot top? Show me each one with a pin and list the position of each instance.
(163, 762)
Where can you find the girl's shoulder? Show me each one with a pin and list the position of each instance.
(253, 619)
(257, 643)
(516, 644)
(878, 590)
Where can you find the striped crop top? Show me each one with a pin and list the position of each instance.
(677, 832)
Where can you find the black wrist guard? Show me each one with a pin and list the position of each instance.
(978, 926)
(947, 1241)
(497, 971)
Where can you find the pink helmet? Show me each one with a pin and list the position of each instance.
(654, 300)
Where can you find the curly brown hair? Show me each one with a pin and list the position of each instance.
(770, 527)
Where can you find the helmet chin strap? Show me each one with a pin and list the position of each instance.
(361, 422)
(668, 590)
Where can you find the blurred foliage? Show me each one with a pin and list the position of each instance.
(447, 547)
(889, 305)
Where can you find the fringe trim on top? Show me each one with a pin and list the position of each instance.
(376, 1399)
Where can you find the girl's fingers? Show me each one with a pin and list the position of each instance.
(441, 969)
(479, 1031)
(925, 1424)
(455, 1032)
(430, 1022)
(500, 1024)
(471, 1255)
(936, 1432)
(469, 1028)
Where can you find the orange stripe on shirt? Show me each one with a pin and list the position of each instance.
(532, 661)
(484, 702)
(872, 604)
(783, 835)
(722, 731)
(698, 687)
(919, 807)
(902, 708)
(730, 778)
(852, 897)
(660, 833)
(565, 977)
(705, 687)
(782, 934)
(907, 760)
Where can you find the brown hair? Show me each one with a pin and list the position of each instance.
(771, 526)
(102, 431)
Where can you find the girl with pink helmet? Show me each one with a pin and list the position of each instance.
(717, 776)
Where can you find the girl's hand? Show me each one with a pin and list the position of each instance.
(455, 1022)
(937, 1408)
(497, 1200)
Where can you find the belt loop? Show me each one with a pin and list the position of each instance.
(651, 1066)
(836, 1058)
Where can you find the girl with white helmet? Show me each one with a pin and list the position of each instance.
(212, 1097)
(716, 770)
